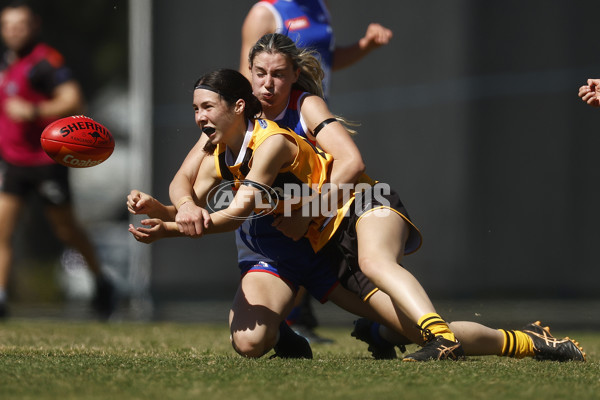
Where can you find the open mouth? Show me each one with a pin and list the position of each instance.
(208, 130)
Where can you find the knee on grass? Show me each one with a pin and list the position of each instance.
(252, 344)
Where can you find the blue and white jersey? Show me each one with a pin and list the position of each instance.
(291, 117)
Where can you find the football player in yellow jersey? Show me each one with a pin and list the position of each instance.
(379, 241)
(224, 116)
(224, 107)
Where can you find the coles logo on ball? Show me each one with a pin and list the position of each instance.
(78, 161)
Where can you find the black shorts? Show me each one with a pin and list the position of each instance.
(50, 182)
(345, 243)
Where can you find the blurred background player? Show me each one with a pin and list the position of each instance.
(308, 24)
(590, 93)
(36, 88)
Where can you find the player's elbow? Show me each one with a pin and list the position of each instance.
(360, 167)
(354, 169)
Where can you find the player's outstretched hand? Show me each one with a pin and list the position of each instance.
(590, 93)
(153, 230)
(192, 220)
(141, 203)
(376, 36)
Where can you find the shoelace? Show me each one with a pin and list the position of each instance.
(426, 334)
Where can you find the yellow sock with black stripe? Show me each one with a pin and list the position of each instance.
(436, 325)
(517, 344)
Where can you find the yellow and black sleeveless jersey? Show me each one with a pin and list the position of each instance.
(309, 170)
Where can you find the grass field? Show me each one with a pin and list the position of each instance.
(41, 359)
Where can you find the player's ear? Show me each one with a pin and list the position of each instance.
(240, 106)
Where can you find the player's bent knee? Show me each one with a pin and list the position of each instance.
(250, 344)
(369, 266)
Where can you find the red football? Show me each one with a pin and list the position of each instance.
(77, 142)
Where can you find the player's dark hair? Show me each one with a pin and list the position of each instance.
(307, 60)
(231, 86)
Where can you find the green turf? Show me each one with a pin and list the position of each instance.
(81, 360)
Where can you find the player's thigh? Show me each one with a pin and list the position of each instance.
(381, 235)
(262, 301)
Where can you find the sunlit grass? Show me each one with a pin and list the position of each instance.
(75, 360)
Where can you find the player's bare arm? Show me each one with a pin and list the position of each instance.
(153, 229)
(139, 203)
(334, 139)
(269, 158)
(258, 22)
(190, 217)
(66, 100)
(275, 153)
(376, 36)
(182, 183)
